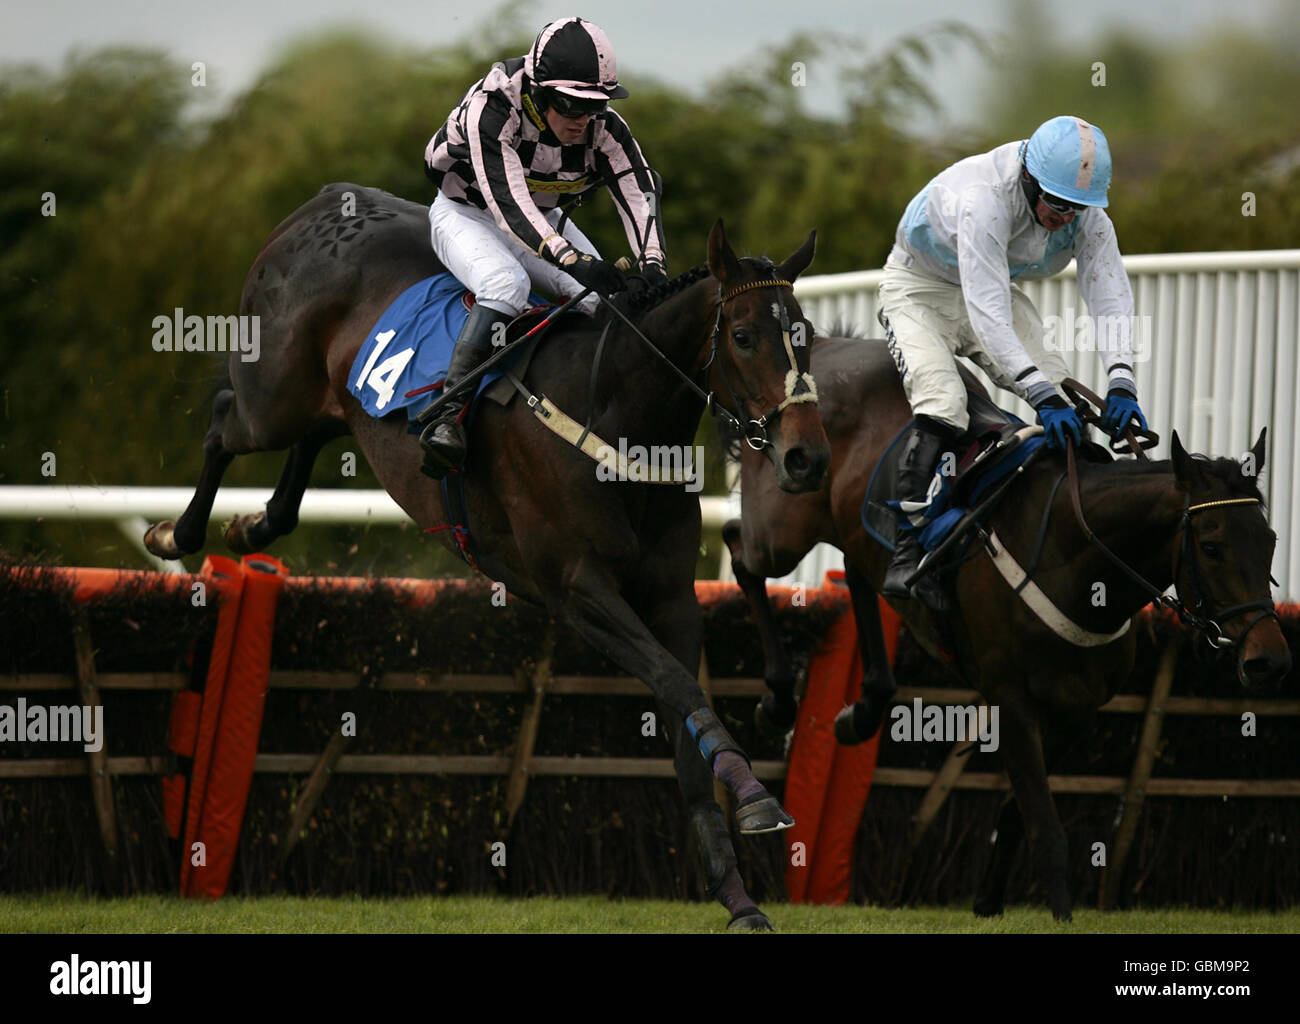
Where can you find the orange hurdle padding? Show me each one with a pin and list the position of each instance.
(230, 721)
(826, 784)
(224, 578)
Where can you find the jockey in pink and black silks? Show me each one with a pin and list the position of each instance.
(534, 132)
(1021, 211)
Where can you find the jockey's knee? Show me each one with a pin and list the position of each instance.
(941, 397)
(504, 288)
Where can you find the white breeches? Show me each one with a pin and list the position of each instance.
(927, 328)
(493, 265)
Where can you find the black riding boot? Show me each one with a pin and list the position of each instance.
(921, 452)
(443, 440)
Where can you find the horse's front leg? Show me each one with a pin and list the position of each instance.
(677, 625)
(775, 713)
(1009, 831)
(859, 722)
(1022, 752)
(592, 604)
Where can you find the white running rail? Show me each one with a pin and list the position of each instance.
(133, 508)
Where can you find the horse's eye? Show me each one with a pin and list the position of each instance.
(1211, 549)
(742, 339)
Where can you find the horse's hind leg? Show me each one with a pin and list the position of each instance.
(775, 713)
(254, 531)
(174, 538)
(858, 723)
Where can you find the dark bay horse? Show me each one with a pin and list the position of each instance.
(614, 559)
(1046, 688)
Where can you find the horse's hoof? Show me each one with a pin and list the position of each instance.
(985, 907)
(761, 813)
(237, 539)
(769, 720)
(751, 920)
(846, 732)
(160, 540)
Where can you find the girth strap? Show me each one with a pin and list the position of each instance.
(1041, 605)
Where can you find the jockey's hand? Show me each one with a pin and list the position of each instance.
(1059, 419)
(595, 274)
(1121, 408)
(654, 274)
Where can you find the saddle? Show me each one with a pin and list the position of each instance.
(994, 445)
(405, 356)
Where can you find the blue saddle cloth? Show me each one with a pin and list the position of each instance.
(410, 347)
(932, 519)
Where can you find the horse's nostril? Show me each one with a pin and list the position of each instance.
(796, 462)
(1265, 669)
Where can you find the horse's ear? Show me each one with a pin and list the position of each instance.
(1257, 451)
(1185, 471)
(798, 263)
(722, 261)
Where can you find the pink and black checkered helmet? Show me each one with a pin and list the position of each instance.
(574, 57)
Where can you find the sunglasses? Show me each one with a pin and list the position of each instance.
(572, 106)
(1061, 206)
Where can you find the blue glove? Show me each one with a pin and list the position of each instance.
(1058, 419)
(1121, 407)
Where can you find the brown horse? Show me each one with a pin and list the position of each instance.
(1046, 688)
(614, 559)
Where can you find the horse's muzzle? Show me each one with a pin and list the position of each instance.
(804, 468)
(1264, 668)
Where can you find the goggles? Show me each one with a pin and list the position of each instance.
(1058, 205)
(573, 106)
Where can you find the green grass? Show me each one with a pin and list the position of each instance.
(68, 913)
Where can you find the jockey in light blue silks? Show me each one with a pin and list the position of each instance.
(1022, 210)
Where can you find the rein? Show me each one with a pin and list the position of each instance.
(799, 387)
(1207, 624)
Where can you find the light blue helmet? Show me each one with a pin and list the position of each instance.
(1071, 159)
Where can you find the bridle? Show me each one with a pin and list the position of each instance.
(1207, 622)
(799, 385)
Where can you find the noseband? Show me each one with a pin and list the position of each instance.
(799, 386)
(1208, 622)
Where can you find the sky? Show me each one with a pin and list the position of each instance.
(685, 42)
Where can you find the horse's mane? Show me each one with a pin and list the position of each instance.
(1226, 470)
(841, 328)
(636, 303)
